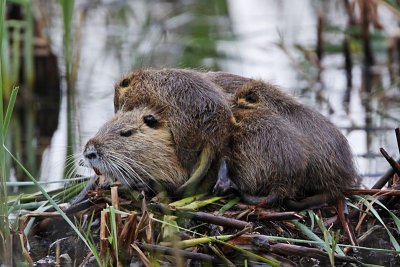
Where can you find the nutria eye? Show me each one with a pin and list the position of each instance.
(251, 97)
(124, 83)
(126, 133)
(150, 121)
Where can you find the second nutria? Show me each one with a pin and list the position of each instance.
(284, 149)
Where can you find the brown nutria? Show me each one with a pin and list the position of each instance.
(279, 148)
(198, 113)
(137, 148)
(282, 148)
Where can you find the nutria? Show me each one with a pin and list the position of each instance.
(278, 148)
(137, 148)
(198, 113)
(282, 148)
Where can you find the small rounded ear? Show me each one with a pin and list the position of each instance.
(251, 97)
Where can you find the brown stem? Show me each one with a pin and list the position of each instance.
(275, 216)
(397, 131)
(384, 179)
(344, 219)
(214, 219)
(173, 251)
(393, 163)
(288, 249)
(388, 192)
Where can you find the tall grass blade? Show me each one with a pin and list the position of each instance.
(114, 232)
(5, 237)
(28, 48)
(53, 203)
(67, 7)
(9, 111)
(396, 219)
(330, 240)
(310, 234)
(368, 204)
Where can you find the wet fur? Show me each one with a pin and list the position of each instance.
(197, 109)
(145, 157)
(277, 145)
(282, 146)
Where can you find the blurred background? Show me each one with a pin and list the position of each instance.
(340, 57)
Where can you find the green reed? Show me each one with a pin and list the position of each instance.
(17, 55)
(67, 7)
(5, 241)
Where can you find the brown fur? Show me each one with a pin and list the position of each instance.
(147, 155)
(277, 146)
(197, 109)
(282, 146)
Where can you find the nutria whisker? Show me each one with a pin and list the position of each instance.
(121, 159)
(71, 161)
(127, 172)
(124, 169)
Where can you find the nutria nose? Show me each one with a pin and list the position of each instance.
(90, 155)
(90, 152)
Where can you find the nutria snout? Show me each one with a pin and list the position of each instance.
(136, 147)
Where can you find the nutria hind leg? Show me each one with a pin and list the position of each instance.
(202, 166)
(272, 200)
(312, 202)
(224, 184)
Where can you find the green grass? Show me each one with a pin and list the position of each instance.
(67, 7)
(5, 238)
(54, 204)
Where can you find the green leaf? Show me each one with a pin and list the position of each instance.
(375, 213)
(9, 111)
(169, 229)
(185, 201)
(201, 203)
(229, 205)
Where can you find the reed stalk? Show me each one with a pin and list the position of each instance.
(5, 237)
(67, 7)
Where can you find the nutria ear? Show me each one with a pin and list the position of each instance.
(251, 97)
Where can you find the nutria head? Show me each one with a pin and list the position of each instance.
(197, 109)
(136, 147)
(257, 94)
